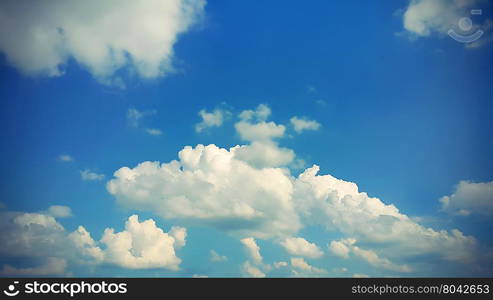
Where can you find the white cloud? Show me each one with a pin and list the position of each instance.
(60, 211)
(340, 206)
(280, 264)
(260, 114)
(141, 245)
(339, 249)
(264, 154)
(180, 236)
(423, 17)
(302, 124)
(52, 266)
(91, 176)
(253, 250)
(65, 158)
(211, 119)
(216, 257)
(262, 131)
(470, 198)
(250, 270)
(212, 186)
(302, 268)
(360, 275)
(343, 247)
(154, 131)
(300, 247)
(40, 236)
(102, 37)
(209, 186)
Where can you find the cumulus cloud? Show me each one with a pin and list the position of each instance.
(216, 187)
(209, 186)
(298, 246)
(470, 198)
(141, 245)
(211, 119)
(253, 250)
(302, 124)
(423, 17)
(263, 150)
(39, 38)
(343, 247)
(88, 175)
(339, 249)
(40, 236)
(338, 204)
(301, 268)
(216, 257)
(250, 270)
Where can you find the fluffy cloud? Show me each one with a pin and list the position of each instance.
(40, 236)
(339, 249)
(264, 154)
(301, 268)
(303, 124)
(250, 270)
(216, 187)
(216, 257)
(422, 17)
(300, 247)
(343, 247)
(141, 245)
(88, 175)
(209, 186)
(211, 119)
(469, 198)
(102, 37)
(337, 204)
(252, 249)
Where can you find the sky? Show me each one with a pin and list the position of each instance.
(186, 138)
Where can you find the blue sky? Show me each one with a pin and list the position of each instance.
(387, 99)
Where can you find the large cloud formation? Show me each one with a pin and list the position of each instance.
(40, 37)
(41, 237)
(212, 186)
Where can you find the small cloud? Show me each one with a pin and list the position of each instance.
(65, 158)
(215, 257)
(302, 124)
(469, 198)
(211, 119)
(59, 211)
(87, 175)
(360, 275)
(154, 131)
(134, 116)
(321, 102)
(300, 247)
